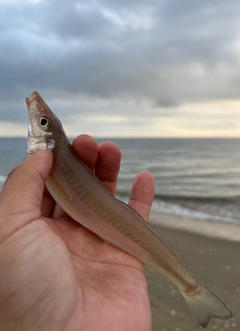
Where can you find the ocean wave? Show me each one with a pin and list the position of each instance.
(193, 198)
(174, 209)
(216, 209)
(202, 199)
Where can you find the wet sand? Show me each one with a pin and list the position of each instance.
(211, 258)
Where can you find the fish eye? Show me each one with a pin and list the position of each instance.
(45, 122)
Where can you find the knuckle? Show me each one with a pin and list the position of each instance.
(13, 172)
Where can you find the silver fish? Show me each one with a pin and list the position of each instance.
(79, 192)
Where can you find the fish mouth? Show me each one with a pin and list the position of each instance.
(35, 94)
(36, 105)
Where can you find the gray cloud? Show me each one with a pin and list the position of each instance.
(160, 53)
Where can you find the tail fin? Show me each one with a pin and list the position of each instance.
(205, 305)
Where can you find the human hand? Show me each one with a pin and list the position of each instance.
(56, 274)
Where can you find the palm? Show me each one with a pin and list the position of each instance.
(82, 282)
(110, 285)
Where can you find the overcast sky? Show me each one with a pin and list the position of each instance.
(166, 68)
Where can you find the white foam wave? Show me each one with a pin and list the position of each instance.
(170, 208)
(177, 210)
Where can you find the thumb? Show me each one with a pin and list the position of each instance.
(22, 194)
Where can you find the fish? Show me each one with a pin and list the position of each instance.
(83, 197)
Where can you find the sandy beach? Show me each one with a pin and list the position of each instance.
(211, 253)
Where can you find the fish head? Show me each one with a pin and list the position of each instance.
(43, 125)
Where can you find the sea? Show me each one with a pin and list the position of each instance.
(194, 178)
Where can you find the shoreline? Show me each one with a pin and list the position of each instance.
(211, 229)
(212, 256)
